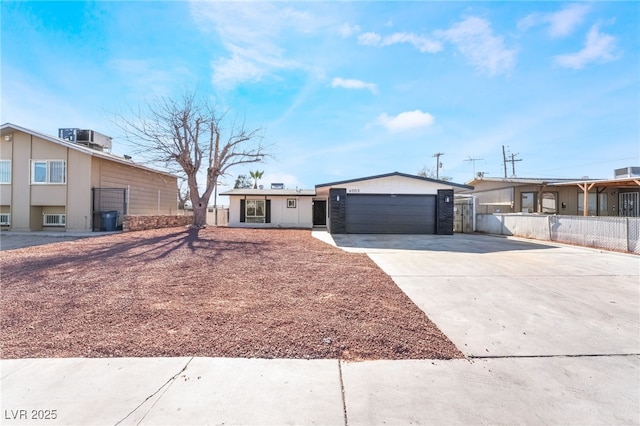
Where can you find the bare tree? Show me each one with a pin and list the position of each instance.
(428, 172)
(188, 132)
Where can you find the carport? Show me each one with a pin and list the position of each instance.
(393, 203)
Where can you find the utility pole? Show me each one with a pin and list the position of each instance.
(513, 163)
(438, 163)
(504, 161)
(473, 162)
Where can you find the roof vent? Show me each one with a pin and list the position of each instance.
(277, 186)
(626, 172)
(89, 138)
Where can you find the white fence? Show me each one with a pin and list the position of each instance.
(610, 233)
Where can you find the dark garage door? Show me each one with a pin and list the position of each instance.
(391, 214)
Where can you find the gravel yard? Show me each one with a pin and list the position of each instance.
(217, 292)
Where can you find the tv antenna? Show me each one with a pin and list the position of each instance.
(473, 162)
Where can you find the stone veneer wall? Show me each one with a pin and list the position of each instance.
(141, 223)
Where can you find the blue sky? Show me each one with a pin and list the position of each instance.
(348, 89)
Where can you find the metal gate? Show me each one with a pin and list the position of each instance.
(629, 204)
(109, 208)
(463, 216)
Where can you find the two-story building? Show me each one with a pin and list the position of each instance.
(72, 182)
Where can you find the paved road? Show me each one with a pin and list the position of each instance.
(15, 240)
(551, 334)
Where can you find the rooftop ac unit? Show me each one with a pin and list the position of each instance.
(90, 138)
(626, 172)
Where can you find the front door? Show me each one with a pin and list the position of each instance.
(319, 213)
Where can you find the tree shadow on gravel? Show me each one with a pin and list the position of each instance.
(125, 249)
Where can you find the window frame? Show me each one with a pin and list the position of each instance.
(545, 196)
(7, 162)
(597, 200)
(255, 217)
(49, 172)
(292, 203)
(534, 197)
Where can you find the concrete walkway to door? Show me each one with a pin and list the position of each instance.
(553, 327)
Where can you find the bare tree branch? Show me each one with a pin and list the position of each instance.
(183, 133)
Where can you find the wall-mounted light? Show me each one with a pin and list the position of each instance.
(8, 138)
(337, 198)
(446, 199)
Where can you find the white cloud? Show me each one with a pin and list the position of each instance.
(474, 38)
(347, 30)
(599, 47)
(405, 120)
(369, 39)
(354, 84)
(423, 44)
(561, 23)
(251, 32)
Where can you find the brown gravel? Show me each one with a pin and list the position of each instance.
(216, 292)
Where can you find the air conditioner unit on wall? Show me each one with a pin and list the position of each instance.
(54, 219)
(5, 218)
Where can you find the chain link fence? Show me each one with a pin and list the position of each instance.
(609, 233)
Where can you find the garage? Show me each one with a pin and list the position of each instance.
(393, 203)
(391, 214)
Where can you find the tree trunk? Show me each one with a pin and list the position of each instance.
(200, 215)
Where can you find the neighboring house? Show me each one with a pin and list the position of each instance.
(603, 197)
(271, 208)
(49, 183)
(393, 203)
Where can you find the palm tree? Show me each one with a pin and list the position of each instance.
(257, 175)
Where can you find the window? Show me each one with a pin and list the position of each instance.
(5, 218)
(528, 202)
(48, 171)
(550, 202)
(597, 204)
(5, 171)
(291, 203)
(54, 219)
(255, 211)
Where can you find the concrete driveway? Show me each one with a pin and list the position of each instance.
(551, 334)
(552, 331)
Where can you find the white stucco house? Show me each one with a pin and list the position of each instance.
(392, 203)
(271, 208)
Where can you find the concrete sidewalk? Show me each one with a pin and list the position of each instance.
(199, 391)
(551, 334)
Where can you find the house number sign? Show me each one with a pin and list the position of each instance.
(353, 190)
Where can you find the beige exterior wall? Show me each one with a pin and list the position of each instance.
(151, 193)
(78, 189)
(21, 182)
(148, 192)
(566, 198)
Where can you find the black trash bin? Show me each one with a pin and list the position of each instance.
(109, 221)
